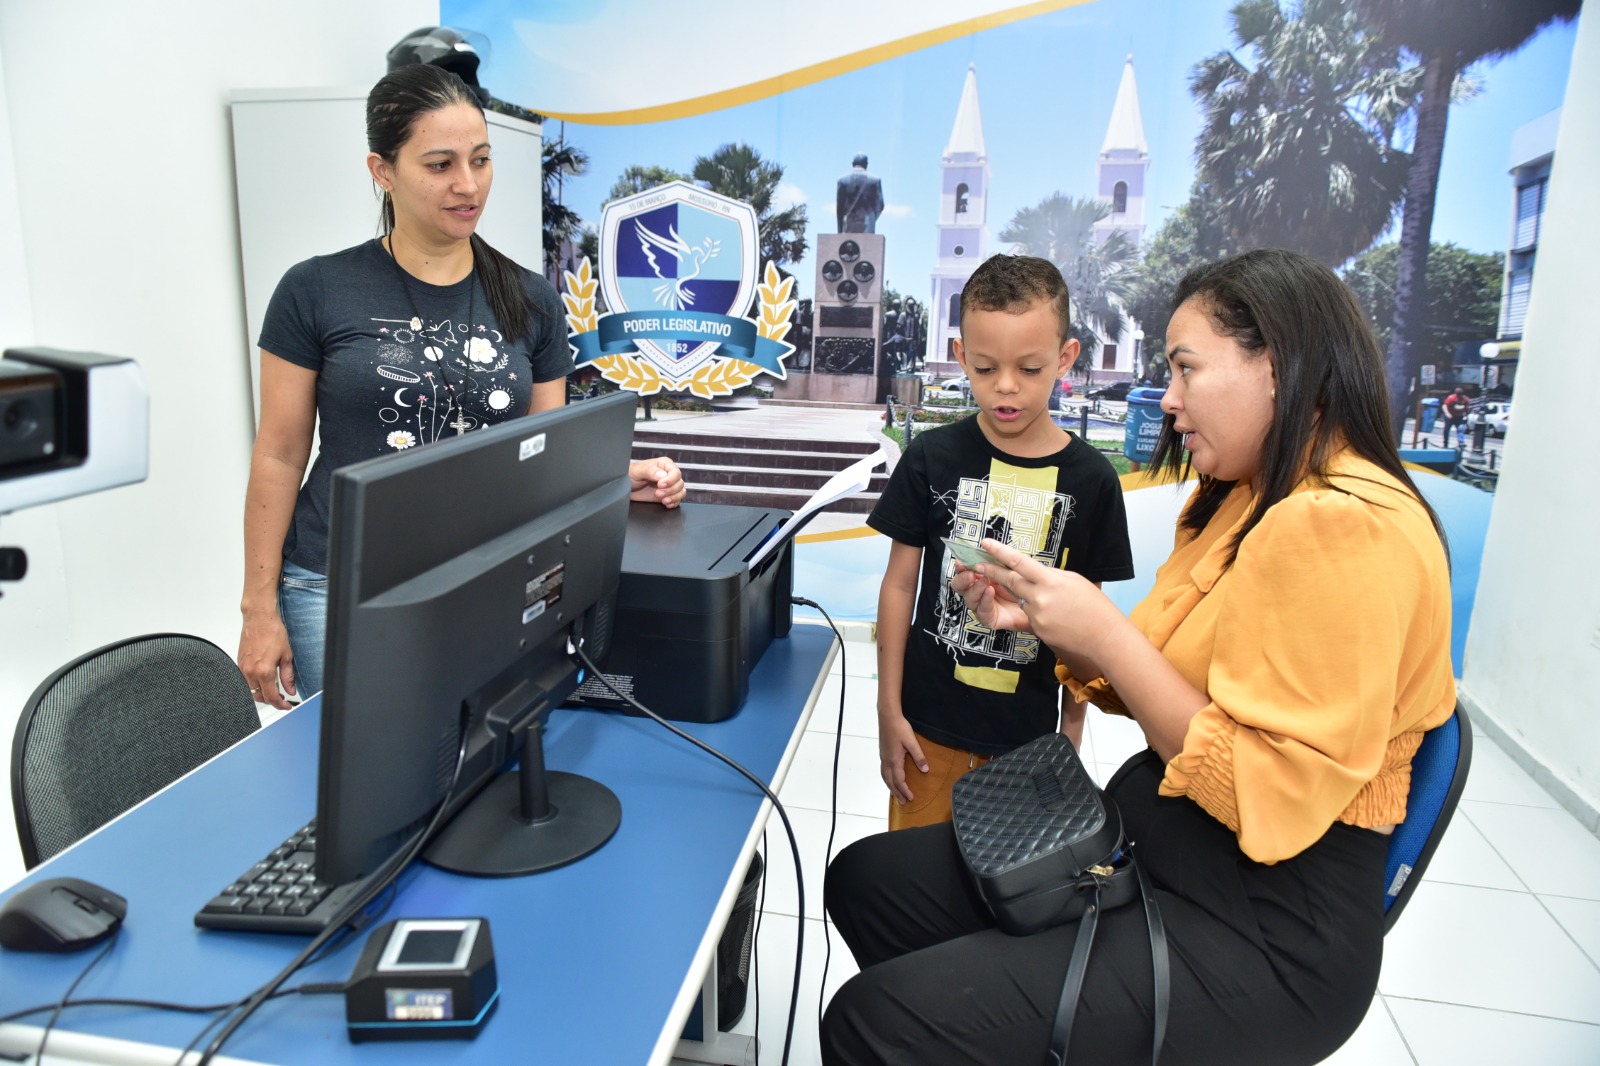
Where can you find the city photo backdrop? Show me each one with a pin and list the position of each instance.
(1404, 142)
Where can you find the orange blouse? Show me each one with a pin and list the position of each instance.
(1324, 650)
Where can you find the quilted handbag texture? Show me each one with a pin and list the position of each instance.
(1034, 829)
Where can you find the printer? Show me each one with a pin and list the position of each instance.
(692, 618)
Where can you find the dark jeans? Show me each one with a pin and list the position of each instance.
(1270, 964)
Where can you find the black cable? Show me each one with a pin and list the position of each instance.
(342, 924)
(205, 1031)
(794, 843)
(755, 941)
(334, 988)
(377, 884)
(365, 918)
(153, 1004)
(833, 807)
(179, 1008)
(66, 997)
(328, 946)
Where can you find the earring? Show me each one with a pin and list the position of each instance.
(1274, 393)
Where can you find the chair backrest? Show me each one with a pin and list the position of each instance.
(1438, 774)
(117, 725)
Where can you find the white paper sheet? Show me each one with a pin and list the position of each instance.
(847, 482)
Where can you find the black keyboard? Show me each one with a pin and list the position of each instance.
(281, 893)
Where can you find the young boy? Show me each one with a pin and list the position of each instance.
(951, 693)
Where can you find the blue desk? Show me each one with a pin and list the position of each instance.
(599, 962)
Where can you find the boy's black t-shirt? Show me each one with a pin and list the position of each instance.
(965, 686)
(400, 363)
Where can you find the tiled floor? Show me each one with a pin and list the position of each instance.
(1496, 959)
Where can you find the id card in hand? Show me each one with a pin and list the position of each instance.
(970, 555)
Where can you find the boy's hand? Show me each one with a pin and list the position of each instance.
(1072, 718)
(896, 740)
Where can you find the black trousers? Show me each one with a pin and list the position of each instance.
(1270, 964)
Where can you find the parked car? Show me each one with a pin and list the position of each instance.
(1498, 415)
(1117, 390)
(948, 387)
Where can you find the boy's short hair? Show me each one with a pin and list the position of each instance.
(1013, 283)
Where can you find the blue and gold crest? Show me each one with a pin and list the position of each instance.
(679, 268)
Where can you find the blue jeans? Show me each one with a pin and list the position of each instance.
(303, 606)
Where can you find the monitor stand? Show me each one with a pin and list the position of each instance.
(527, 820)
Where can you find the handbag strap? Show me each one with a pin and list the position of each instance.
(1159, 963)
(1067, 1007)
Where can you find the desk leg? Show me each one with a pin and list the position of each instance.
(715, 1047)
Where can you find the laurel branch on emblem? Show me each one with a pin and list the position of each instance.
(579, 298)
(710, 381)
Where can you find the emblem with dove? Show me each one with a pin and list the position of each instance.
(673, 293)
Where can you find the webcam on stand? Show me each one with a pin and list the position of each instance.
(71, 423)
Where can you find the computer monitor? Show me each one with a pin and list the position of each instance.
(457, 574)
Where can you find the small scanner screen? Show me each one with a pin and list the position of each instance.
(428, 944)
(430, 947)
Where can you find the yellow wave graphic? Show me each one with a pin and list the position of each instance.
(796, 79)
(837, 534)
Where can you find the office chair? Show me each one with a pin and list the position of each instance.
(1438, 774)
(117, 725)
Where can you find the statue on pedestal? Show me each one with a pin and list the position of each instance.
(860, 199)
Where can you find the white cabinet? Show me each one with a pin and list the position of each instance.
(300, 168)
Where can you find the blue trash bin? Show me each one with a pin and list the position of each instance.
(1143, 427)
(1430, 415)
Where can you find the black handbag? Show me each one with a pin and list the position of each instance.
(1045, 846)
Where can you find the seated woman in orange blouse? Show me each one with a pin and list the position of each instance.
(1295, 647)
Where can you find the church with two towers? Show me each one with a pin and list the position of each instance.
(1120, 173)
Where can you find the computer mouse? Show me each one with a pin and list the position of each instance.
(60, 914)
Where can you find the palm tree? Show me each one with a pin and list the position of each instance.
(637, 179)
(1444, 37)
(561, 160)
(738, 171)
(1191, 235)
(1300, 149)
(1099, 277)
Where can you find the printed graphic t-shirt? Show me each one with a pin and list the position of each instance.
(400, 363)
(965, 685)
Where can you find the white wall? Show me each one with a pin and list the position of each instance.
(1533, 652)
(16, 310)
(121, 167)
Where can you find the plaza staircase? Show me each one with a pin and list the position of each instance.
(759, 471)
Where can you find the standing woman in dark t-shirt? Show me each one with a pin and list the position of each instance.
(423, 333)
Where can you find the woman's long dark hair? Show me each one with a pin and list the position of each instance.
(393, 107)
(1331, 389)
